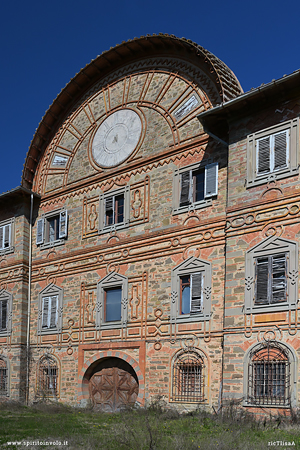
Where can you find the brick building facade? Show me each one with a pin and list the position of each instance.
(152, 248)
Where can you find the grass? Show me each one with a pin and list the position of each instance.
(155, 428)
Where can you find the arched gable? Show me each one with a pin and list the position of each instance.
(152, 69)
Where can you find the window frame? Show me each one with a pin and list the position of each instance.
(188, 267)
(208, 196)
(249, 384)
(272, 246)
(253, 177)
(42, 229)
(110, 281)
(8, 223)
(103, 228)
(50, 291)
(7, 297)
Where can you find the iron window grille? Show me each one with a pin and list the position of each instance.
(269, 376)
(3, 378)
(48, 377)
(188, 378)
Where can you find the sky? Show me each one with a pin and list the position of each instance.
(44, 44)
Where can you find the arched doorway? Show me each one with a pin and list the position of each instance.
(113, 385)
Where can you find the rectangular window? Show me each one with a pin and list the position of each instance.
(3, 314)
(191, 294)
(272, 152)
(50, 312)
(52, 228)
(114, 210)
(271, 280)
(5, 236)
(112, 304)
(198, 185)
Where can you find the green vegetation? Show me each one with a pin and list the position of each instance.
(155, 428)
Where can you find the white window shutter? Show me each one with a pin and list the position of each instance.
(196, 293)
(263, 155)
(280, 149)
(6, 236)
(211, 180)
(185, 188)
(40, 231)
(1, 237)
(53, 311)
(63, 224)
(45, 312)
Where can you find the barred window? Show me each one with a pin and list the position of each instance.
(3, 378)
(269, 376)
(188, 378)
(48, 377)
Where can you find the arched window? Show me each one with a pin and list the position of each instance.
(48, 377)
(3, 378)
(188, 377)
(269, 375)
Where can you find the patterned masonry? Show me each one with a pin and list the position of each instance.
(165, 235)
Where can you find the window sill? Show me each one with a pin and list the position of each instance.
(114, 227)
(110, 325)
(272, 176)
(52, 244)
(48, 331)
(274, 307)
(192, 206)
(186, 318)
(195, 402)
(7, 250)
(262, 405)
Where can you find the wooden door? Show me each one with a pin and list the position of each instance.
(112, 388)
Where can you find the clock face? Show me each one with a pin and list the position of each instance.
(116, 137)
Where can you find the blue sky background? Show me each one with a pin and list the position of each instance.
(44, 44)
